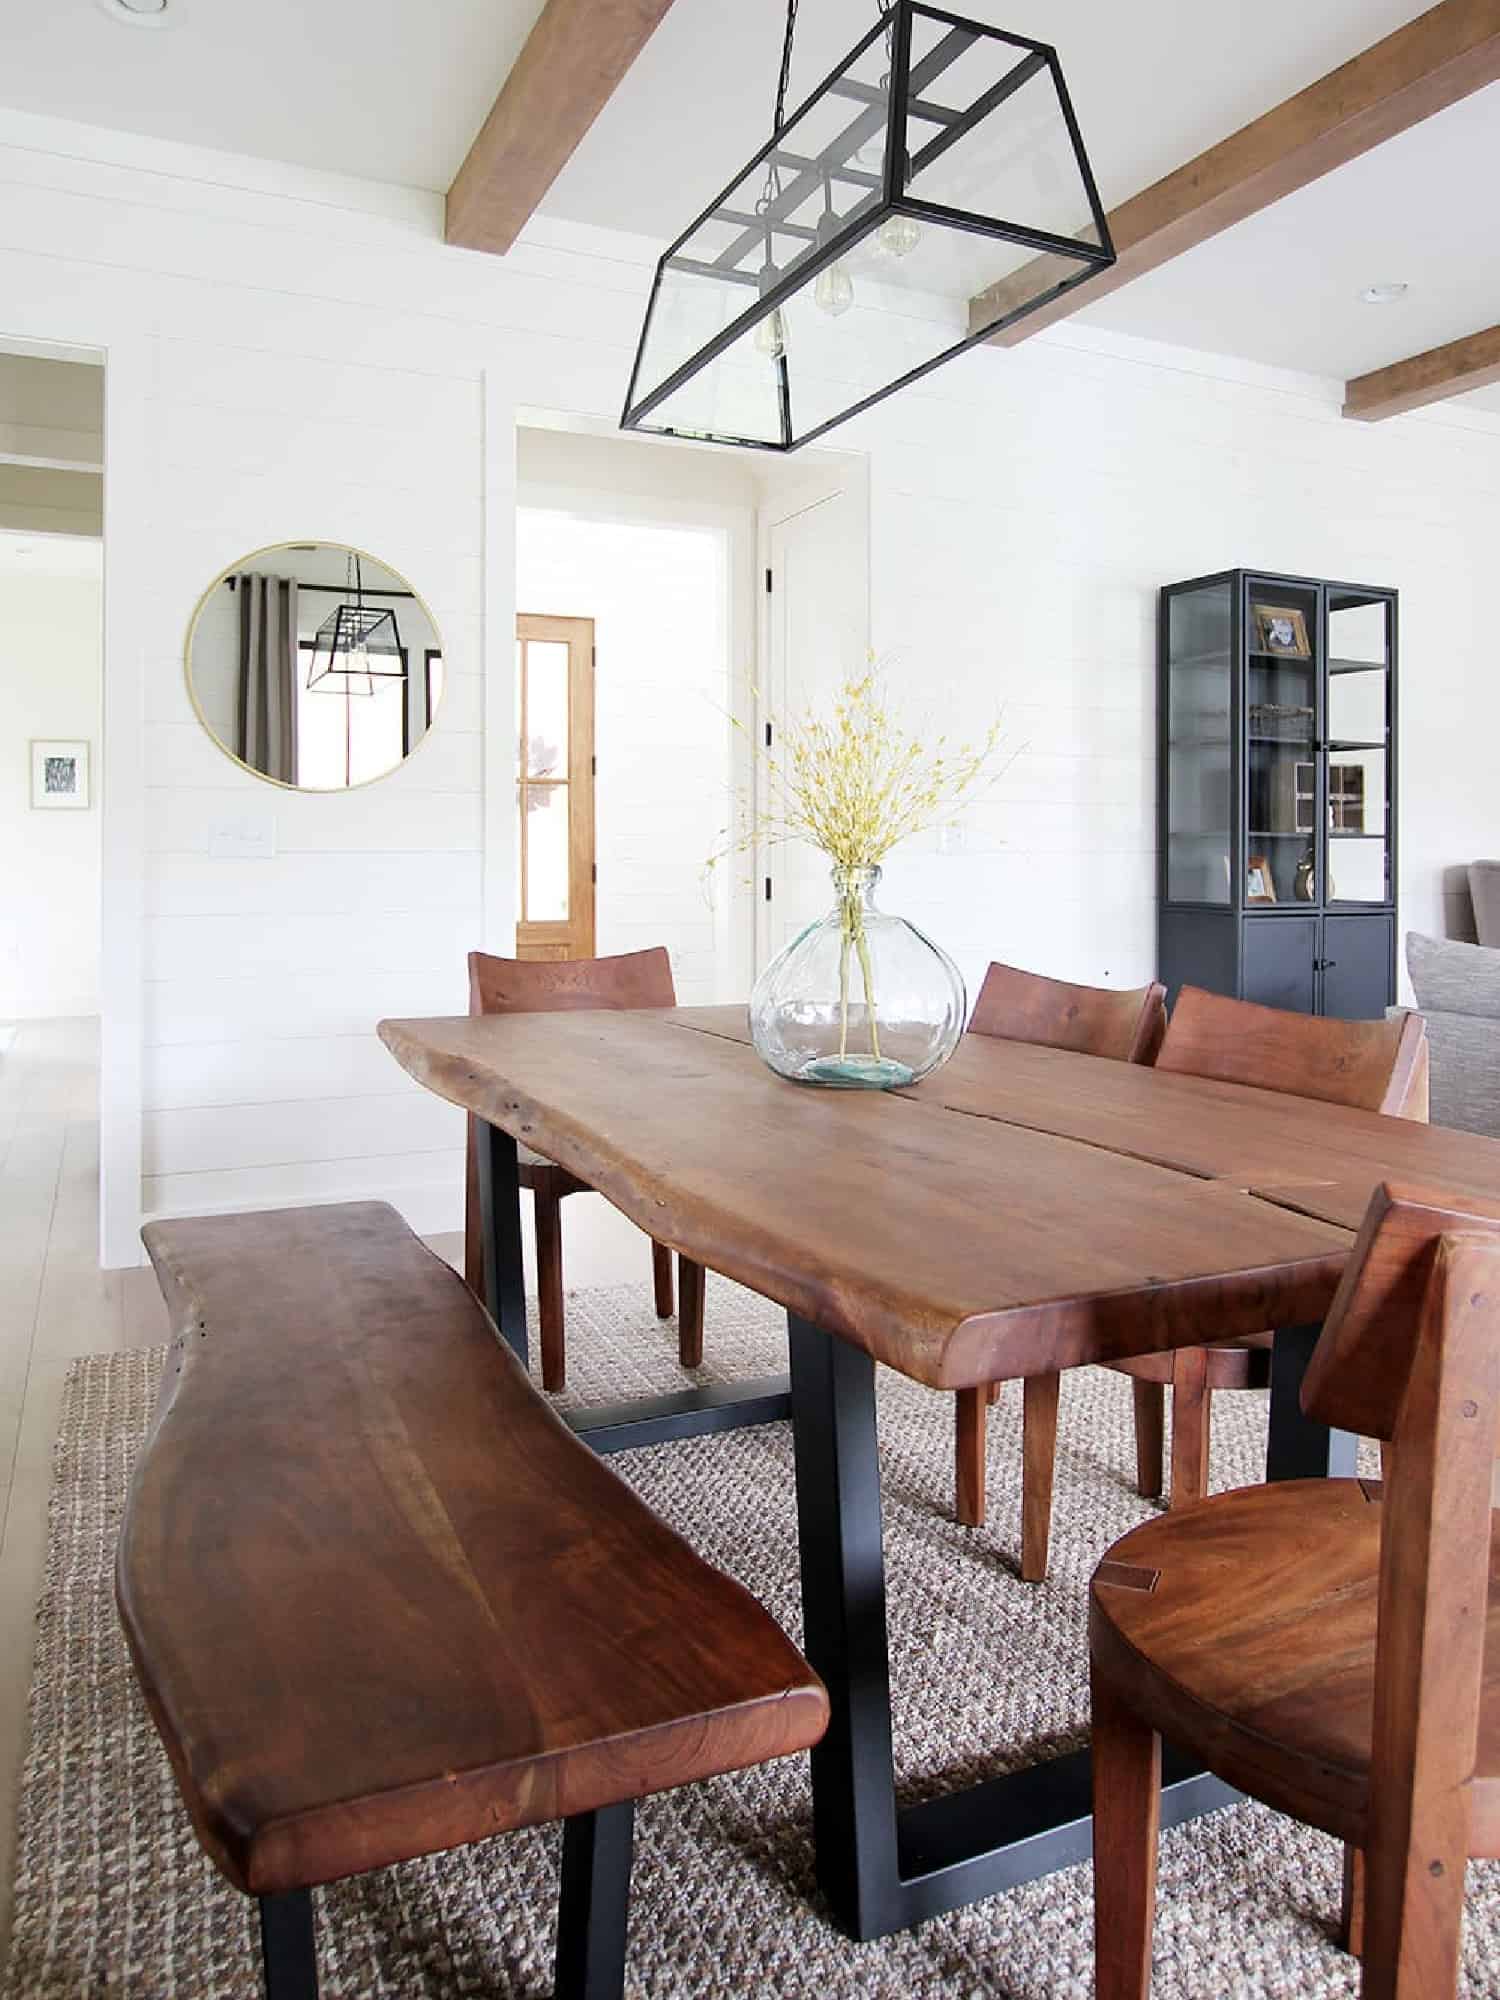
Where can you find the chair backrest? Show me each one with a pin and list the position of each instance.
(538, 986)
(1410, 1352)
(1021, 1006)
(526, 986)
(1372, 1065)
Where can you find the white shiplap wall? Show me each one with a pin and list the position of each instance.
(294, 356)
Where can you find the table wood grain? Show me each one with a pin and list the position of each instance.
(957, 1249)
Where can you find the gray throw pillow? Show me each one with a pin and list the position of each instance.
(1449, 977)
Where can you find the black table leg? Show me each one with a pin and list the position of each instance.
(594, 1905)
(500, 1225)
(1299, 1448)
(884, 1868)
(844, 1637)
(287, 1946)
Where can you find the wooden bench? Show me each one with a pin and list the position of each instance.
(382, 1601)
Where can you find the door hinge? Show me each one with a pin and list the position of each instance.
(594, 872)
(768, 888)
(593, 767)
(768, 735)
(768, 583)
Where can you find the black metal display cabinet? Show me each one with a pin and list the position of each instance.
(1276, 739)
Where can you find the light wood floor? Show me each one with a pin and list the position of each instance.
(55, 1304)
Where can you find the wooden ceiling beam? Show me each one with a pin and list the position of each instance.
(1451, 370)
(1445, 54)
(572, 63)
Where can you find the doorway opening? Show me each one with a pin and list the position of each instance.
(51, 684)
(659, 557)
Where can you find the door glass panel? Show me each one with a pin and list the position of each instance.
(1357, 826)
(1357, 706)
(546, 749)
(1199, 787)
(546, 808)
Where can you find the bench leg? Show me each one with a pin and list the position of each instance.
(594, 1904)
(287, 1949)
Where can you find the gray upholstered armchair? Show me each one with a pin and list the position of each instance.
(1457, 988)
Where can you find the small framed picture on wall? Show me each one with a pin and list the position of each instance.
(59, 775)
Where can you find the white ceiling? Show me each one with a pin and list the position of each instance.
(1284, 287)
(387, 90)
(395, 92)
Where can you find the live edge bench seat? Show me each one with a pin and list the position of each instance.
(383, 1602)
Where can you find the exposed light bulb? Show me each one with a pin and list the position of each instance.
(833, 290)
(899, 235)
(770, 336)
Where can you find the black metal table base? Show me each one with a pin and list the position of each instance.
(621, 1426)
(884, 1868)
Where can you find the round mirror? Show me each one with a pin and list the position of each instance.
(314, 665)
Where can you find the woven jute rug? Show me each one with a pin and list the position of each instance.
(113, 1896)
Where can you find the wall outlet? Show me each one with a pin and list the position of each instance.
(248, 836)
(953, 838)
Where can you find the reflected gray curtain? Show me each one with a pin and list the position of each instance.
(266, 708)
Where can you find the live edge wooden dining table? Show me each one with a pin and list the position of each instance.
(1023, 1210)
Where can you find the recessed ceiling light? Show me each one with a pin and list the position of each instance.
(137, 13)
(1383, 295)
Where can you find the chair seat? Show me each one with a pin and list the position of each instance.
(1243, 1629)
(1236, 1364)
(544, 1176)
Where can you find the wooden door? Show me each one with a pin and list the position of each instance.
(555, 787)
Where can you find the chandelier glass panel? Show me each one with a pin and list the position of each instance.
(931, 191)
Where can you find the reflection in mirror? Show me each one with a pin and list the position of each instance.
(315, 666)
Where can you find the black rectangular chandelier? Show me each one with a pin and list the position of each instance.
(931, 191)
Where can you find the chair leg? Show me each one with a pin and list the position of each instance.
(594, 1904)
(661, 1278)
(549, 1287)
(1038, 1461)
(1352, 1910)
(1192, 1401)
(1150, 1436)
(970, 1426)
(1127, 1816)
(689, 1313)
(288, 1947)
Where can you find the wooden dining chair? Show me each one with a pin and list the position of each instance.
(1372, 1065)
(1126, 1026)
(1332, 1646)
(521, 986)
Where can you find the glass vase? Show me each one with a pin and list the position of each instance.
(861, 1000)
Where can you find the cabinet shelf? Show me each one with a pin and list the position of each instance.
(1356, 666)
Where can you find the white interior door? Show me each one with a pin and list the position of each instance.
(816, 635)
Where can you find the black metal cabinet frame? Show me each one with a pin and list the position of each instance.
(1326, 953)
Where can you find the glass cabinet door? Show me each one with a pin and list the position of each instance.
(1356, 762)
(1199, 739)
(1281, 744)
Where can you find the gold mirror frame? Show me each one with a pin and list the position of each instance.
(303, 545)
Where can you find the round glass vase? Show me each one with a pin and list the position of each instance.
(861, 1000)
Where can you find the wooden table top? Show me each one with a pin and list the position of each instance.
(957, 1249)
(1322, 1159)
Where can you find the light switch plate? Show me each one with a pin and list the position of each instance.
(247, 836)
